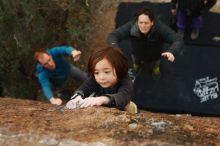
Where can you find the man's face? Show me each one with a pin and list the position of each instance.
(144, 23)
(47, 61)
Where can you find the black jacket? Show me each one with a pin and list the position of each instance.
(120, 95)
(147, 47)
(193, 7)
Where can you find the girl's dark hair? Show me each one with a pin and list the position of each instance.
(114, 55)
(144, 11)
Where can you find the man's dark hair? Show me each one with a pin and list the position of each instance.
(144, 11)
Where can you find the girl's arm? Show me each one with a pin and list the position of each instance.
(94, 101)
(87, 88)
(124, 94)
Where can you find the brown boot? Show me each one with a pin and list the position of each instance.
(195, 34)
(131, 108)
(181, 32)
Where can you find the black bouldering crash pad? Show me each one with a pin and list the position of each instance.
(191, 83)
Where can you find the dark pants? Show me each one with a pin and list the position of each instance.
(63, 91)
(184, 21)
(78, 74)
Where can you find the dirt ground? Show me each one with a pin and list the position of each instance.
(37, 123)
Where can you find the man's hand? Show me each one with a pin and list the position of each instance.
(169, 56)
(56, 101)
(74, 103)
(76, 54)
(94, 101)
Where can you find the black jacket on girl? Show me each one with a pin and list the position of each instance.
(119, 95)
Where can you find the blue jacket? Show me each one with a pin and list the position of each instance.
(57, 77)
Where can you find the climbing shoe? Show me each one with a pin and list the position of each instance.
(131, 108)
(156, 73)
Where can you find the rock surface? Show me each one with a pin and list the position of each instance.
(35, 123)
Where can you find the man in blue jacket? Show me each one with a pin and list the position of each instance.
(53, 70)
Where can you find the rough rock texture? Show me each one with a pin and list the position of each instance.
(33, 123)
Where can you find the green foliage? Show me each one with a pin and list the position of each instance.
(80, 18)
(27, 25)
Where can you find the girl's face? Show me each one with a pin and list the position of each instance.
(105, 74)
(144, 23)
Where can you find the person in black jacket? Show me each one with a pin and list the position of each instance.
(189, 14)
(147, 36)
(108, 84)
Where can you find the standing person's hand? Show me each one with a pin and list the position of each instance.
(56, 101)
(76, 54)
(174, 12)
(169, 56)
